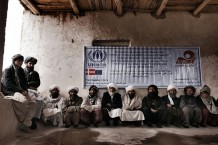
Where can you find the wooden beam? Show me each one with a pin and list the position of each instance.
(200, 7)
(162, 6)
(74, 6)
(119, 5)
(55, 7)
(50, 1)
(31, 7)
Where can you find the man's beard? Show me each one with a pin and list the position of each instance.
(190, 95)
(72, 96)
(206, 98)
(153, 95)
(55, 95)
(172, 95)
(30, 68)
(92, 95)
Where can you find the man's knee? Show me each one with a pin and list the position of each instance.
(185, 109)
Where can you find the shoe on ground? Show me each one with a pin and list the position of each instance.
(24, 128)
(107, 124)
(203, 125)
(34, 125)
(75, 126)
(95, 125)
(149, 125)
(177, 125)
(159, 125)
(195, 125)
(67, 126)
(186, 126)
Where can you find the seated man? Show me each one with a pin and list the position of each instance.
(91, 108)
(172, 104)
(13, 82)
(33, 82)
(72, 108)
(208, 106)
(131, 107)
(190, 109)
(111, 100)
(53, 107)
(153, 107)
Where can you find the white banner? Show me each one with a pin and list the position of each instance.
(141, 67)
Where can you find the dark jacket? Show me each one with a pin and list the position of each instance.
(175, 100)
(188, 101)
(115, 103)
(77, 101)
(156, 103)
(10, 83)
(202, 105)
(33, 79)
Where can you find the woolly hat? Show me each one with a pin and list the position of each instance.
(112, 85)
(205, 89)
(72, 88)
(172, 86)
(30, 59)
(17, 56)
(52, 87)
(130, 88)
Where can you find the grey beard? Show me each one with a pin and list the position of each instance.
(172, 95)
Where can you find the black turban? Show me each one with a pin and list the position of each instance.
(190, 87)
(93, 87)
(31, 59)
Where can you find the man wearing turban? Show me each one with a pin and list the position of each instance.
(72, 107)
(33, 82)
(91, 108)
(111, 100)
(33, 79)
(131, 111)
(153, 107)
(209, 107)
(54, 105)
(189, 105)
(172, 104)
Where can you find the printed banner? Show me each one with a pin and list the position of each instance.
(141, 66)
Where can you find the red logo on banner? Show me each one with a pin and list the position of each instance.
(189, 58)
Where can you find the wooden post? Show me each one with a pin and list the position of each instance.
(74, 6)
(162, 6)
(3, 17)
(200, 7)
(119, 5)
(31, 7)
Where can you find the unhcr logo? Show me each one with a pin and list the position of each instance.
(97, 56)
(189, 58)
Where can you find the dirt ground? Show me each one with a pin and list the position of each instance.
(47, 135)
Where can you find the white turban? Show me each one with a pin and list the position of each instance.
(52, 87)
(113, 86)
(130, 88)
(72, 88)
(172, 86)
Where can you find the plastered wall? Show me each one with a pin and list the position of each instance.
(49, 38)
